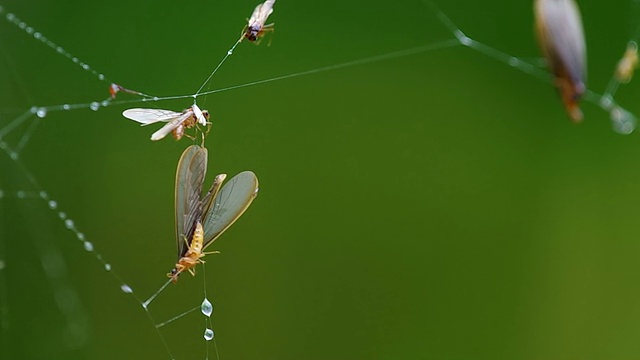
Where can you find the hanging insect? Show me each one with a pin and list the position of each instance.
(177, 122)
(200, 221)
(627, 65)
(255, 28)
(561, 40)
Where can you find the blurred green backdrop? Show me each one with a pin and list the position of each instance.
(433, 206)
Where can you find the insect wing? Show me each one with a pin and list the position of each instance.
(561, 36)
(172, 125)
(261, 13)
(192, 168)
(199, 115)
(228, 205)
(150, 116)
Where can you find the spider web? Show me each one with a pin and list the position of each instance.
(31, 192)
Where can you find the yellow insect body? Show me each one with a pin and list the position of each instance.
(193, 256)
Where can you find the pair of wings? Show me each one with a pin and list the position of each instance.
(261, 13)
(220, 207)
(559, 27)
(172, 118)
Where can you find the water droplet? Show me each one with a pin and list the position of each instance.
(85, 66)
(62, 215)
(229, 52)
(22, 25)
(68, 223)
(42, 112)
(104, 103)
(80, 236)
(155, 98)
(37, 35)
(623, 121)
(88, 246)
(21, 194)
(10, 16)
(94, 106)
(206, 307)
(29, 30)
(208, 334)
(53, 205)
(100, 77)
(14, 155)
(606, 101)
(44, 195)
(126, 289)
(514, 61)
(66, 107)
(60, 50)
(107, 267)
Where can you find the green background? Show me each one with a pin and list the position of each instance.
(433, 206)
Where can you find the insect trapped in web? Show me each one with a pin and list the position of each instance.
(177, 122)
(200, 221)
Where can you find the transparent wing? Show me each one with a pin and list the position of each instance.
(228, 205)
(261, 13)
(561, 25)
(192, 168)
(169, 127)
(150, 116)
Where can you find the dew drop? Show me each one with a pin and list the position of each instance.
(21, 194)
(33, 109)
(155, 98)
(62, 215)
(29, 30)
(37, 35)
(623, 121)
(75, 60)
(104, 103)
(41, 112)
(22, 25)
(94, 106)
(60, 50)
(53, 205)
(100, 77)
(66, 107)
(229, 52)
(68, 223)
(208, 334)
(107, 267)
(80, 236)
(10, 16)
(14, 155)
(514, 61)
(126, 289)
(44, 195)
(206, 307)
(606, 101)
(85, 66)
(88, 246)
